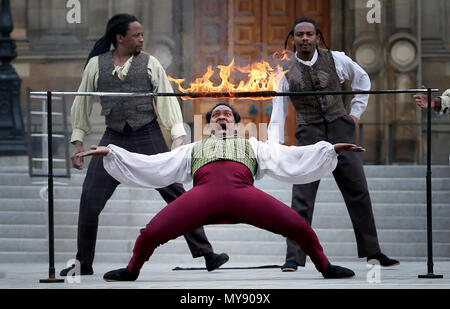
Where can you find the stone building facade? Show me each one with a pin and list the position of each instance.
(407, 46)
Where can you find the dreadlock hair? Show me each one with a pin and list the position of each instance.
(307, 20)
(118, 24)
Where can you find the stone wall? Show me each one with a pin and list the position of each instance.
(409, 47)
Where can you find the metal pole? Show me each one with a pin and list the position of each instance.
(430, 273)
(51, 249)
(390, 144)
(235, 95)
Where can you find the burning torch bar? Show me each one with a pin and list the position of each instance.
(235, 94)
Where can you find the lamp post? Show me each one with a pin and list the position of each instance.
(12, 141)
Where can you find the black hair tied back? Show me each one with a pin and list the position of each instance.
(118, 24)
(305, 20)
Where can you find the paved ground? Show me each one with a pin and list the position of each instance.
(269, 287)
(161, 276)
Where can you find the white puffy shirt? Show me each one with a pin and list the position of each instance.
(292, 164)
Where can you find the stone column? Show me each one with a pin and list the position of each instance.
(363, 42)
(387, 49)
(11, 125)
(435, 59)
(402, 48)
(164, 41)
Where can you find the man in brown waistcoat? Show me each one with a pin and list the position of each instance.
(131, 123)
(325, 118)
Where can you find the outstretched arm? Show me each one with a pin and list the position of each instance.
(298, 165)
(341, 147)
(96, 150)
(134, 169)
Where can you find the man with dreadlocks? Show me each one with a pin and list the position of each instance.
(131, 123)
(324, 118)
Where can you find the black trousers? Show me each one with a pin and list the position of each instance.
(351, 180)
(99, 186)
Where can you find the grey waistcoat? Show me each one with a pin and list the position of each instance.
(321, 76)
(136, 111)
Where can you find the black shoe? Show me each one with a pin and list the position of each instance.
(381, 259)
(337, 272)
(289, 266)
(121, 274)
(84, 271)
(214, 261)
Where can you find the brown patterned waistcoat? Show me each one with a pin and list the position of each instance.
(136, 111)
(321, 76)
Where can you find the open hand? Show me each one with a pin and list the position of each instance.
(422, 100)
(96, 150)
(77, 162)
(348, 147)
(178, 142)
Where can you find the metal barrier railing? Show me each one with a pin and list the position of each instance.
(236, 95)
(33, 135)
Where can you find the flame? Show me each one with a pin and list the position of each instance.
(261, 78)
(283, 56)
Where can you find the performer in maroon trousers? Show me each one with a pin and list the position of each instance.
(223, 168)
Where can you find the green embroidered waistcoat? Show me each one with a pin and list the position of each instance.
(231, 148)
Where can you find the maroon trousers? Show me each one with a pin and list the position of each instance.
(223, 193)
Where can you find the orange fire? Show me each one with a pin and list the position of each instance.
(261, 78)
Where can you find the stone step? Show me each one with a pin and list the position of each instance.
(132, 193)
(37, 215)
(379, 183)
(234, 232)
(23, 231)
(142, 206)
(398, 195)
(169, 261)
(405, 171)
(179, 246)
(141, 219)
(166, 260)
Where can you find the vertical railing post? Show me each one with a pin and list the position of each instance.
(390, 144)
(51, 249)
(430, 273)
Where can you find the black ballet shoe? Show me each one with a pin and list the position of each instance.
(214, 261)
(337, 272)
(381, 259)
(289, 266)
(121, 274)
(84, 271)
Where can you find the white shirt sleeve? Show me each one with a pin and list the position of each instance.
(155, 171)
(82, 105)
(280, 107)
(347, 69)
(294, 164)
(445, 102)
